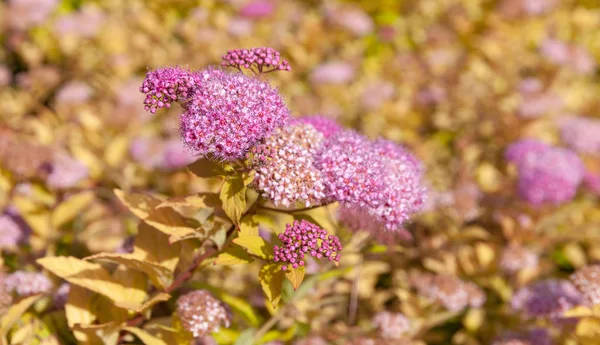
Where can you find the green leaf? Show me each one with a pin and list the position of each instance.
(68, 209)
(164, 219)
(271, 280)
(145, 337)
(256, 245)
(182, 336)
(233, 195)
(233, 255)
(86, 274)
(14, 313)
(153, 245)
(161, 276)
(207, 168)
(240, 307)
(245, 337)
(295, 276)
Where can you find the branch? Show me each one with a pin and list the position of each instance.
(187, 274)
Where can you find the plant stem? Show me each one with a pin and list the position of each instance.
(187, 274)
(270, 323)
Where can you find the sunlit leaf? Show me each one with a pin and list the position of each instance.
(271, 280)
(160, 275)
(256, 245)
(245, 337)
(145, 337)
(153, 246)
(233, 255)
(233, 195)
(295, 276)
(158, 298)
(14, 313)
(103, 334)
(68, 209)
(86, 274)
(78, 309)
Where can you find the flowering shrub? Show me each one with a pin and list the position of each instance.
(384, 172)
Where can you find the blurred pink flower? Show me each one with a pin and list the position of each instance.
(85, 22)
(74, 92)
(351, 18)
(258, 9)
(535, 101)
(24, 14)
(176, 155)
(569, 55)
(66, 172)
(147, 151)
(240, 27)
(333, 72)
(431, 95)
(376, 93)
(580, 133)
(5, 76)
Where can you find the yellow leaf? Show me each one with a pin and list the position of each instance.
(103, 334)
(248, 226)
(295, 276)
(135, 284)
(588, 331)
(68, 209)
(159, 297)
(164, 219)
(207, 168)
(14, 313)
(271, 280)
(233, 195)
(256, 245)
(85, 274)
(196, 201)
(116, 150)
(319, 216)
(233, 255)
(153, 246)
(160, 275)
(145, 337)
(485, 254)
(78, 310)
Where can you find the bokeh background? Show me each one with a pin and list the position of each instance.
(456, 81)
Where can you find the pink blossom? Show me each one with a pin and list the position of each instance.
(324, 125)
(258, 9)
(581, 133)
(549, 298)
(333, 72)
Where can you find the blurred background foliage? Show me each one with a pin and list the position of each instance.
(454, 80)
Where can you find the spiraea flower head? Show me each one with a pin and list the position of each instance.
(549, 298)
(391, 325)
(164, 86)
(27, 283)
(303, 237)
(587, 281)
(201, 313)
(546, 174)
(230, 113)
(516, 257)
(581, 134)
(264, 59)
(325, 125)
(377, 180)
(61, 295)
(285, 169)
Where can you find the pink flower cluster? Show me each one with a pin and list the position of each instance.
(303, 237)
(379, 179)
(581, 134)
(284, 164)
(549, 298)
(391, 325)
(225, 114)
(546, 174)
(452, 292)
(262, 58)
(201, 313)
(325, 125)
(11, 233)
(27, 283)
(587, 281)
(66, 172)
